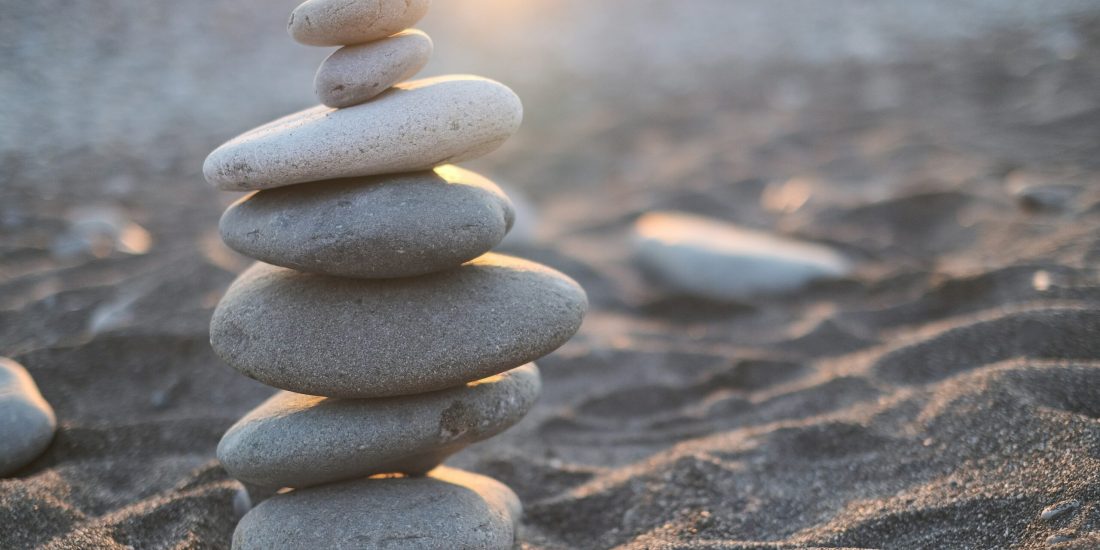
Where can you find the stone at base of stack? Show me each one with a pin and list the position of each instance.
(449, 508)
(397, 338)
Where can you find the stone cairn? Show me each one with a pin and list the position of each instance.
(396, 337)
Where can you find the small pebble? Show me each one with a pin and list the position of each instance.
(242, 503)
(27, 422)
(713, 259)
(1059, 509)
(1059, 538)
(1047, 198)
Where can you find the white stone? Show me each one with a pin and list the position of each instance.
(712, 259)
(27, 422)
(343, 22)
(414, 126)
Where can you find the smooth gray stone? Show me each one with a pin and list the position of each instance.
(342, 22)
(354, 74)
(340, 337)
(296, 440)
(413, 126)
(27, 422)
(447, 510)
(379, 227)
(716, 260)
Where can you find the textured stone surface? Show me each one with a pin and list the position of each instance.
(416, 125)
(354, 74)
(449, 509)
(295, 440)
(27, 421)
(378, 227)
(340, 22)
(340, 337)
(717, 260)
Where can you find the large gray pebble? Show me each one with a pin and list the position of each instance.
(295, 440)
(340, 337)
(342, 22)
(448, 510)
(27, 422)
(716, 260)
(414, 126)
(354, 74)
(379, 227)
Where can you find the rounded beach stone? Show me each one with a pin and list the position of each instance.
(343, 22)
(27, 422)
(717, 260)
(340, 337)
(448, 509)
(354, 74)
(414, 126)
(379, 227)
(296, 440)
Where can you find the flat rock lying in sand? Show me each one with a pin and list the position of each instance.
(27, 422)
(414, 126)
(716, 260)
(342, 22)
(295, 440)
(354, 74)
(340, 337)
(449, 509)
(378, 227)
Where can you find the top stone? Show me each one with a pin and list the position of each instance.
(343, 22)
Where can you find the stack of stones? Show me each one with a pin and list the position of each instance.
(398, 339)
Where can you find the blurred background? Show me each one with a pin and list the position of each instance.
(949, 148)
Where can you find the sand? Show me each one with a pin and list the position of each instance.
(943, 396)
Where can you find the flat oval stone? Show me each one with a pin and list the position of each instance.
(715, 260)
(342, 22)
(296, 440)
(448, 509)
(414, 126)
(340, 337)
(379, 227)
(354, 74)
(27, 422)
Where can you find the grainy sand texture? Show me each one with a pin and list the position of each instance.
(945, 394)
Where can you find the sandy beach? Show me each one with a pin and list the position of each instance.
(945, 394)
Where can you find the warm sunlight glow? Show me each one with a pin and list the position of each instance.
(787, 196)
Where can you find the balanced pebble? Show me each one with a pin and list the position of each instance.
(354, 74)
(295, 440)
(27, 422)
(414, 126)
(717, 260)
(379, 227)
(449, 509)
(355, 338)
(343, 22)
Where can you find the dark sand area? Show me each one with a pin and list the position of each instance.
(943, 396)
